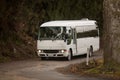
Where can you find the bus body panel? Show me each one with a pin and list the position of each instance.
(84, 43)
(60, 48)
(49, 44)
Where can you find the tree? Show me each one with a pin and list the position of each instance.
(20, 19)
(111, 31)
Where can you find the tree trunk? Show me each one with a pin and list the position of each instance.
(111, 32)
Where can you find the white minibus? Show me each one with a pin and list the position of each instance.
(67, 38)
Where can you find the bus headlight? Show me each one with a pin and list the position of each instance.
(39, 51)
(63, 51)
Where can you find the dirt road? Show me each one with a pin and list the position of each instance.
(40, 70)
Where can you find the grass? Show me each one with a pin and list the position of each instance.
(4, 59)
(94, 69)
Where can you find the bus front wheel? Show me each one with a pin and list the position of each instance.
(69, 57)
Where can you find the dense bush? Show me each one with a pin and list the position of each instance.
(20, 19)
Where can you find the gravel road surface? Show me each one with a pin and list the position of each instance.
(41, 70)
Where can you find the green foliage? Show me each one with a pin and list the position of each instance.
(32, 13)
(4, 59)
(20, 19)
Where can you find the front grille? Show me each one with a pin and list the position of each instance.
(60, 55)
(51, 51)
(42, 54)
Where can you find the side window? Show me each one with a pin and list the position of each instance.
(91, 33)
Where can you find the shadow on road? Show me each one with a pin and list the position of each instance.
(63, 59)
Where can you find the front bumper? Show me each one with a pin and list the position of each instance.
(51, 55)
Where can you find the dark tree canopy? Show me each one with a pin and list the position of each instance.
(19, 19)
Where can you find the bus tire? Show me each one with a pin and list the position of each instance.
(69, 57)
(91, 51)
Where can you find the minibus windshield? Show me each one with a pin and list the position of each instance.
(48, 33)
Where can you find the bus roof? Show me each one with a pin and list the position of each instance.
(72, 23)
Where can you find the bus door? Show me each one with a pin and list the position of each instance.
(74, 41)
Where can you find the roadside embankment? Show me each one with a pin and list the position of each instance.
(94, 69)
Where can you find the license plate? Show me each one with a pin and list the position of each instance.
(50, 55)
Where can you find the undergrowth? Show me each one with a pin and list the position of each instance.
(95, 69)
